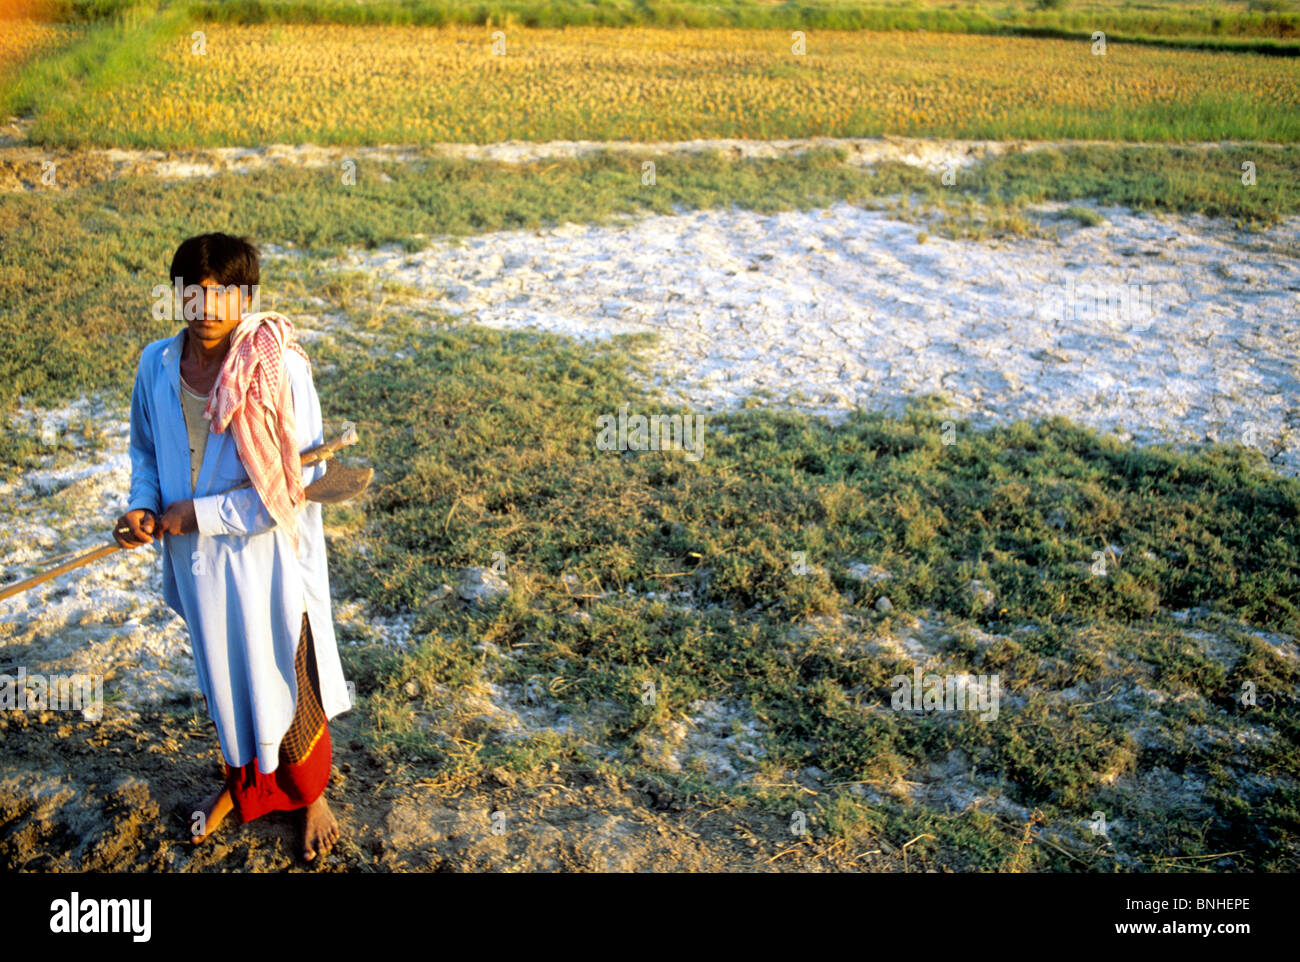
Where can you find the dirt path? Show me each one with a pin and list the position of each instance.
(22, 164)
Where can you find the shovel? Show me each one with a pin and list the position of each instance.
(339, 484)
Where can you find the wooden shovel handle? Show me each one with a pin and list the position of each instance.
(312, 456)
(10, 590)
(347, 435)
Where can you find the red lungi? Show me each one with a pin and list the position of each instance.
(305, 751)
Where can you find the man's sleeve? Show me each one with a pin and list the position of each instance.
(144, 464)
(242, 511)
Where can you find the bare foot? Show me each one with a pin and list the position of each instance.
(319, 829)
(214, 808)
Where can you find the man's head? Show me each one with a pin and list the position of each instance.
(218, 275)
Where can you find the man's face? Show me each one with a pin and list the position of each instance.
(219, 314)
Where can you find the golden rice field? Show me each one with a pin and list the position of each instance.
(333, 84)
(23, 40)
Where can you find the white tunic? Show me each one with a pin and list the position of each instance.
(236, 580)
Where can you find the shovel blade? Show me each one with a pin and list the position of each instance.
(340, 483)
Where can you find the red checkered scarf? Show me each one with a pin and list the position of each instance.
(253, 397)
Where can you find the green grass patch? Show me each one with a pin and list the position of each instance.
(485, 440)
(115, 50)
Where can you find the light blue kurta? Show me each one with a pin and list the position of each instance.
(236, 580)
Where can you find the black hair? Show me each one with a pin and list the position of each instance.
(227, 260)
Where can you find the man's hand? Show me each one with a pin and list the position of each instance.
(135, 528)
(179, 518)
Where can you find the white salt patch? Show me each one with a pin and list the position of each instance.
(843, 306)
(720, 740)
(106, 618)
(356, 623)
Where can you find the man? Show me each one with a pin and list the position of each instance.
(245, 568)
